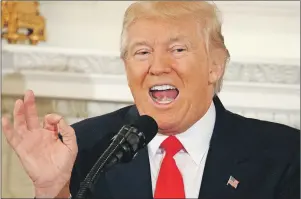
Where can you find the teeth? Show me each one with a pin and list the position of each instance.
(162, 87)
(165, 100)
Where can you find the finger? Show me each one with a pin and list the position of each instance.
(67, 133)
(51, 122)
(8, 131)
(19, 117)
(31, 113)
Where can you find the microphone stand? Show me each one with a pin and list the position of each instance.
(119, 141)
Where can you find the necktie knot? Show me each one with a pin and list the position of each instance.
(171, 145)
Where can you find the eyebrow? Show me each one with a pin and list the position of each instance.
(178, 38)
(137, 43)
(170, 40)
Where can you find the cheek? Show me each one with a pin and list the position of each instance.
(136, 73)
(193, 72)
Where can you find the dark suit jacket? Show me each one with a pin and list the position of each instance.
(263, 156)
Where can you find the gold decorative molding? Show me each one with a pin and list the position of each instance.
(22, 15)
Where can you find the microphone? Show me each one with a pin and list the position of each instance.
(123, 148)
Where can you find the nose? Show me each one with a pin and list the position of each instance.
(160, 64)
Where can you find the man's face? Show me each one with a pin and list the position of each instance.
(169, 73)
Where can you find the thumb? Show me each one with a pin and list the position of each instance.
(68, 134)
(51, 121)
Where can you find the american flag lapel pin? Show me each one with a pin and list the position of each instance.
(233, 182)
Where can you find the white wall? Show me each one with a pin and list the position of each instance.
(92, 25)
(253, 30)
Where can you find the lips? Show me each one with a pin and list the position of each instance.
(163, 94)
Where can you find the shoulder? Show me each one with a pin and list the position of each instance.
(89, 131)
(269, 149)
(269, 136)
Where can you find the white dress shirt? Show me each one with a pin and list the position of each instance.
(191, 161)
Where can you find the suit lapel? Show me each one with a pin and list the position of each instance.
(224, 156)
(133, 179)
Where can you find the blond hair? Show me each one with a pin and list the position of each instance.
(206, 13)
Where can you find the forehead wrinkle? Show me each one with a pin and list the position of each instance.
(179, 38)
(177, 34)
(173, 38)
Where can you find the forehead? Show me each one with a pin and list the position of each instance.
(164, 30)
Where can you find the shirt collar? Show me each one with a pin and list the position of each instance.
(195, 140)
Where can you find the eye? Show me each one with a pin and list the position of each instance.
(142, 54)
(178, 50)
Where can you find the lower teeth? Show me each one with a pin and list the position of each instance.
(164, 100)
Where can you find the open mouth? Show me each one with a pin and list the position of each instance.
(163, 94)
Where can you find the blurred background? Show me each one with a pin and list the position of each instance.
(68, 54)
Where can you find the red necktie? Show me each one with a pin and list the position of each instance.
(170, 182)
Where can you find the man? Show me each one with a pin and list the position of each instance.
(175, 57)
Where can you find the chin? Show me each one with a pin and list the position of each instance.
(167, 123)
(166, 126)
(167, 116)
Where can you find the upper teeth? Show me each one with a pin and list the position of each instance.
(162, 87)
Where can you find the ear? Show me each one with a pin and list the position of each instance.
(217, 67)
(215, 73)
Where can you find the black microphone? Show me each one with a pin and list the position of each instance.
(123, 148)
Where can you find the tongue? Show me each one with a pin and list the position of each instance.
(160, 95)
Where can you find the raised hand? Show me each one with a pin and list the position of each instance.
(47, 160)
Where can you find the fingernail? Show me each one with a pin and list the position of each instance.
(19, 103)
(29, 93)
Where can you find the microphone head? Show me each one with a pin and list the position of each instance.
(148, 126)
